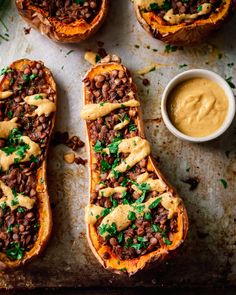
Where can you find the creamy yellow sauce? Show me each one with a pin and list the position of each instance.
(7, 160)
(94, 111)
(146, 3)
(44, 105)
(175, 19)
(121, 125)
(137, 147)
(197, 107)
(6, 127)
(5, 94)
(92, 213)
(155, 184)
(119, 215)
(8, 197)
(109, 191)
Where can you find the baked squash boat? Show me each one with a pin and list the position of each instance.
(134, 217)
(182, 22)
(64, 21)
(27, 116)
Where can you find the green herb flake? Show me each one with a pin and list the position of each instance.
(132, 127)
(105, 166)
(224, 183)
(10, 228)
(154, 204)
(148, 216)
(120, 237)
(15, 252)
(154, 7)
(97, 58)
(156, 228)
(166, 5)
(199, 8)
(167, 242)
(105, 212)
(131, 215)
(20, 210)
(10, 115)
(80, 2)
(33, 76)
(37, 97)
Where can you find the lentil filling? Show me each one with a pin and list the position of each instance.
(168, 9)
(69, 11)
(24, 147)
(148, 230)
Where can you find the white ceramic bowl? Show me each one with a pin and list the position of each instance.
(198, 73)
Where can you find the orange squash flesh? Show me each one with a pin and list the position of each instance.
(43, 200)
(114, 264)
(58, 30)
(183, 33)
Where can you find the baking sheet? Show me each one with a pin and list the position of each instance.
(208, 257)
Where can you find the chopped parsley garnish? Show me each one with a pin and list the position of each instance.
(156, 228)
(15, 252)
(10, 114)
(120, 237)
(3, 205)
(113, 146)
(10, 228)
(20, 210)
(80, 2)
(37, 97)
(131, 215)
(148, 216)
(105, 212)
(33, 76)
(154, 204)
(34, 159)
(97, 58)
(224, 183)
(101, 104)
(199, 8)
(110, 229)
(132, 127)
(154, 7)
(105, 166)
(98, 147)
(166, 5)
(26, 78)
(144, 187)
(139, 209)
(167, 242)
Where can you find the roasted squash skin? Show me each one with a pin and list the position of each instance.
(132, 266)
(57, 30)
(184, 33)
(43, 200)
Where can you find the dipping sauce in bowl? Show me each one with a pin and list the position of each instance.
(197, 107)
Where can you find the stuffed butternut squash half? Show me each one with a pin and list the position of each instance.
(68, 21)
(27, 116)
(134, 218)
(182, 22)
